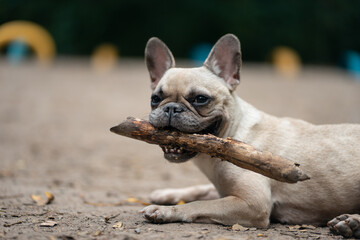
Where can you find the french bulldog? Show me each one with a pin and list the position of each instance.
(203, 100)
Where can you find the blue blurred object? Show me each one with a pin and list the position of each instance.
(352, 63)
(17, 51)
(199, 52)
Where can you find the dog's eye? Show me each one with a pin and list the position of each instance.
(155, 100)
(201, 100)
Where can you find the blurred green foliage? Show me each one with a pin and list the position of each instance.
(320, 30)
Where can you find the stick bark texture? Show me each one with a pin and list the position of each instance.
(231, 150)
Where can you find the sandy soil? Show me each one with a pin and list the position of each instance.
(54, 136)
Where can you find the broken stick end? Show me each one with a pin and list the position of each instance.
(113, 129)
(304, 177)
(296, 175)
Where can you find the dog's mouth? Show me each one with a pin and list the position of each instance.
(178, 154)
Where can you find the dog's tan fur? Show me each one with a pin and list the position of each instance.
(329, 154)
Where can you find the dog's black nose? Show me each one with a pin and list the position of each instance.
(173, 109)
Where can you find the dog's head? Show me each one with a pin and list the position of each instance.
(193, 100)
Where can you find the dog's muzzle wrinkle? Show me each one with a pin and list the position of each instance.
(174, 115)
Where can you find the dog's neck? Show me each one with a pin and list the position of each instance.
(246, 117)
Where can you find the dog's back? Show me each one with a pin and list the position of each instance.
(329, 154)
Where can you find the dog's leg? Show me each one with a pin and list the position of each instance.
(189, 194)
(227, 211)
(347, 225)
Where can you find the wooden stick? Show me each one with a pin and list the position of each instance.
(231, 150)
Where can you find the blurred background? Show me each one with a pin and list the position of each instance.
(320, 32)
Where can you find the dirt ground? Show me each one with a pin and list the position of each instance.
(54, 136)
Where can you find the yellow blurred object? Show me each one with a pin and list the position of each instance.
(33, 35)
(104, 57)
(286, 61)
(181, 202)
(40, 201)
(134, 200)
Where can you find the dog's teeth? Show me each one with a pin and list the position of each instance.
(170, 149)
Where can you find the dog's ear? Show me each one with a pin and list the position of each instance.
(158, 59)
(224, 60)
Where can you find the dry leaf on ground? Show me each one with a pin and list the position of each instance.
(238, 227)
(40, 201)
(305, 226)
(118, 225)
(48, 224)
(132, 200)
(294, 228)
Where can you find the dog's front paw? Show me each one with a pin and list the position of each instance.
(160, 214)
(347, 225)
